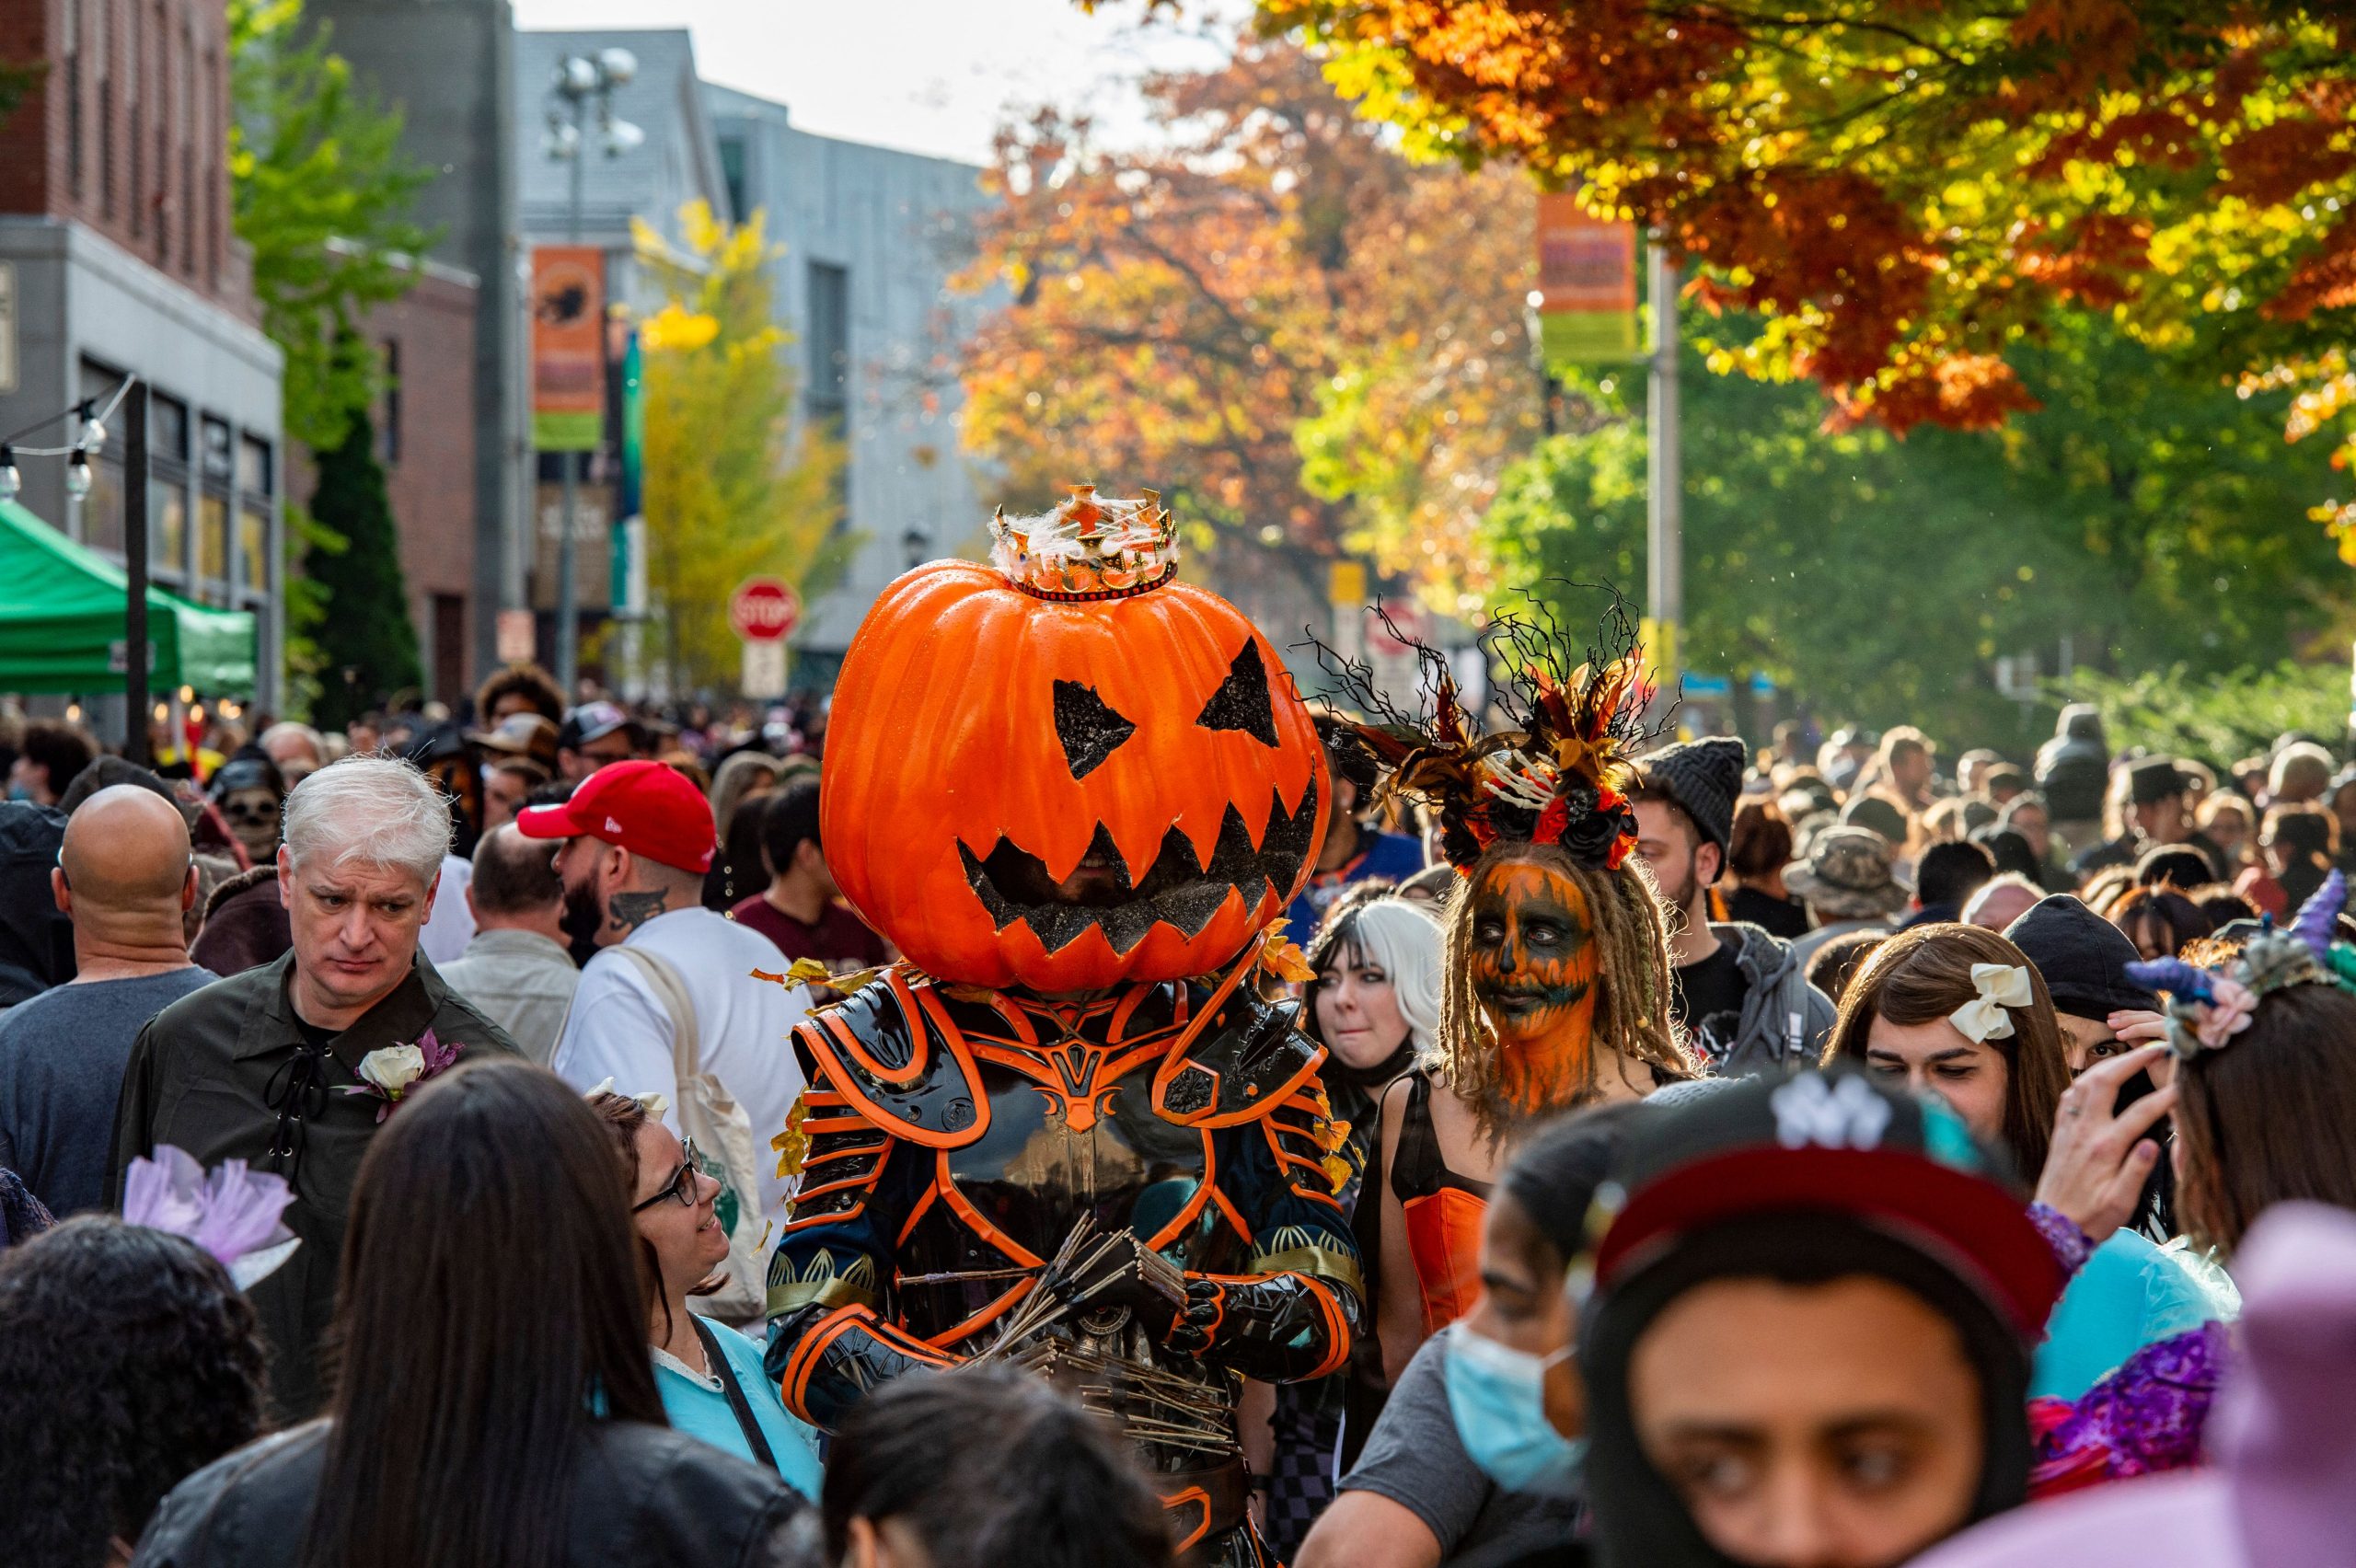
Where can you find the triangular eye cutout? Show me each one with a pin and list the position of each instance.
(1088, 727)
(1241, 700)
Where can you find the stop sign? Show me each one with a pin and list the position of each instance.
(763, 609)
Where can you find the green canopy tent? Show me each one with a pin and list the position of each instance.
(60, 622)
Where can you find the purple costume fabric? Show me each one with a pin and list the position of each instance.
(2144, 1418)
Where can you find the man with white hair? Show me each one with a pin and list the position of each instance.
(298, 749)
(291, 1066)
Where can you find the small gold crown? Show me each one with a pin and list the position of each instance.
(1089, 547)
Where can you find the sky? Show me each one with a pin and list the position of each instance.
(932, 76)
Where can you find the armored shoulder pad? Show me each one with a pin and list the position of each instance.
(1237, 1062)
(895, 1054)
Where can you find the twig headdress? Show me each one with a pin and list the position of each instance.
(1558, 774)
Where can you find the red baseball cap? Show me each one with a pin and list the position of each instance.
(647, 808)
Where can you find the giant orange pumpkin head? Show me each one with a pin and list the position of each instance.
(1069, 769)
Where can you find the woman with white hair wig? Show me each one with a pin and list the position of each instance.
(1374, 1005)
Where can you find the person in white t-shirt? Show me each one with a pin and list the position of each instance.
(638, 838)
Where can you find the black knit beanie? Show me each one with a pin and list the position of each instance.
(1702, 780)
(2083, 957)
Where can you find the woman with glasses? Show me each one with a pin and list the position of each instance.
(493, 1403)
(709, 1375)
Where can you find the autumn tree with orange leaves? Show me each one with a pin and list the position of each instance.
(1312, 347)
(1907, 188)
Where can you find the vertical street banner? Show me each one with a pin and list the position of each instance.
(568, 347)
(1587, 284)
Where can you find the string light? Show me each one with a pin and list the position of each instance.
(77, 474)
(11, 481)
(73, 714)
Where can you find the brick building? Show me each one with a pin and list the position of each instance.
(116, 259)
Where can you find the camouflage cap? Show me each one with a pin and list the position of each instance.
(1848, 876)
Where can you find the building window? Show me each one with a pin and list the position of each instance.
(217, 464)
(73, 28)
(168, 551)
(829, 399)
(391, 434)
(136, 111)
(829, 340)
(102, 508)
(167, 495)
(212, 548)
(167, 429)
(449, 647)
(253, 468)
(732, 174)
(253, 549)
(106, 32)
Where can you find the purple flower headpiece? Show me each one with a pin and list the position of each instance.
(2206, 1007)
(232, 1212)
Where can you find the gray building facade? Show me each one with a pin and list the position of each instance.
(871, 237)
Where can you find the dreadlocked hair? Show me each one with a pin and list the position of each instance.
(1631, 988)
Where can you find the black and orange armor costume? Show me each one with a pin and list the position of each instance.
(954, 1138)
(1069, 1131)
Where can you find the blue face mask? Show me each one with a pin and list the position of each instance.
(1496, 1396)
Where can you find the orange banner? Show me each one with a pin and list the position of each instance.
(568, 347)
(1586, 284)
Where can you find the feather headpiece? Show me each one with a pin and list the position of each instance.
(2207, 1006)
(1558, 774)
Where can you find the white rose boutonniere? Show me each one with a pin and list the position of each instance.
(390, 1072)
(394, 1068)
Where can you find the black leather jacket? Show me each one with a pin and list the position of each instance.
(644, 1495)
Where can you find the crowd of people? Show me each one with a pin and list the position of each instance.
(515, 1137)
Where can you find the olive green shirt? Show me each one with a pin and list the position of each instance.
(204, 1076)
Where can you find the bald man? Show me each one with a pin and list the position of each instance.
(125, 878)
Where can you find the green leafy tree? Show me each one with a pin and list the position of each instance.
(2142, 514)
(2218, 717)
(733, 488)
(368, 648)
(320, 191)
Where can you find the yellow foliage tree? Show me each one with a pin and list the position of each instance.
(734, 487)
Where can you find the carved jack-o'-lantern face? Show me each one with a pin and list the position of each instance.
(1064, 794)
(1531, 961)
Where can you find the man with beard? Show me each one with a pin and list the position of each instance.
(1742, 998)
(671, 980)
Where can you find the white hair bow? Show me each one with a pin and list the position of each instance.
(1999, 985)
(652, 1103)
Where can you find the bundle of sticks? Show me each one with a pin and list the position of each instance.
(1148, 1404)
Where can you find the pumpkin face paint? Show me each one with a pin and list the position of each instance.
(1532, 966)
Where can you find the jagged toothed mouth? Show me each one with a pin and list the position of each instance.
(1177, 890)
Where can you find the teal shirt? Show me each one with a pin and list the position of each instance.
(703, 1413)
(2129, 1294)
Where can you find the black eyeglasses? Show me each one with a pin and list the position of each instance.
(682, 1184)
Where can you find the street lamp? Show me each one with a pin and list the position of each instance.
(580, 81)
(916, 548)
